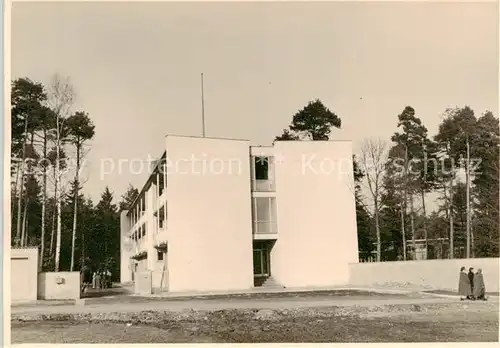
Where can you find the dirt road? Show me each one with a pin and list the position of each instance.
(133, 304)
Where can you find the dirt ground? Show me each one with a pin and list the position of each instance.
(134, 304)
(114, 298)
(337, 294)
(451, 324)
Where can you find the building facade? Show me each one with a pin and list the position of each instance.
(219, 214)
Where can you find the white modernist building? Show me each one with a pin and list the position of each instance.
(219, 214)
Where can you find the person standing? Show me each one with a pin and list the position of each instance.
(471, 281)
(94, 280)
(103, 280)
(479, 288)
(464, 289)
(108, 278)
(98, 280)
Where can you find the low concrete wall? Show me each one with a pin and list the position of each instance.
(432, 274)
(59, 286)
(143, 283)
(24, 271)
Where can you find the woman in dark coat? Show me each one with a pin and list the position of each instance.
(479, 288)
(464, 289)
(471, 280)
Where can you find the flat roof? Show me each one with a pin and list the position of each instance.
(202, 137)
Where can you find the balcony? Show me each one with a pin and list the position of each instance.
(265, 230)
(140, 250)
(141, 245)
(263, 186)
(162, 198)
(160, 238)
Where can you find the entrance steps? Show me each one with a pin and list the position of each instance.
(270, 283)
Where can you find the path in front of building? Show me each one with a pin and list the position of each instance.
(123, 305)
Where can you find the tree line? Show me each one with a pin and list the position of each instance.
(49, 143)
(393, 182)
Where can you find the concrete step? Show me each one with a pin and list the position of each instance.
(271, 283)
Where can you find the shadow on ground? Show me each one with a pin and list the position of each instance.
(115, 290)
(127, 297)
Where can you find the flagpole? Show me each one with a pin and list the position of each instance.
(202, 108)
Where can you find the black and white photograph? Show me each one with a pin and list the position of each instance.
(252, 172)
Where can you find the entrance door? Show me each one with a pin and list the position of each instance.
(261, 263)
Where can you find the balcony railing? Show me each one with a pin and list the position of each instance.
(263, 185)
(141, 245)
(160, 238)
(265, 227)
(140, 249)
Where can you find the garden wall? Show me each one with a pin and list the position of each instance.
(24, 270)
(59, 286)
(431, 274)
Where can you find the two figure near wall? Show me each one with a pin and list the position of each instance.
(471, 285)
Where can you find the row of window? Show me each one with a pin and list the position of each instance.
(261, 171)
(140, 233)
(140, 208)
(264, 216)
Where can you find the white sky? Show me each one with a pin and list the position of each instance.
(136, 67)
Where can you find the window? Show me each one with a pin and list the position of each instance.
(261, 165)
(162, 215)
(161, 179)
(160, 183)
(154, 189)
(264, 214)
(262, 209)
(160, 256)
(143, 230)
(262, 168)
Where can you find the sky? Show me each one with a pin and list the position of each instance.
(136, 68)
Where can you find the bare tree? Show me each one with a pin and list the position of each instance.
(61, 95)
(80, 130)
(374, 154)
(46, 131)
